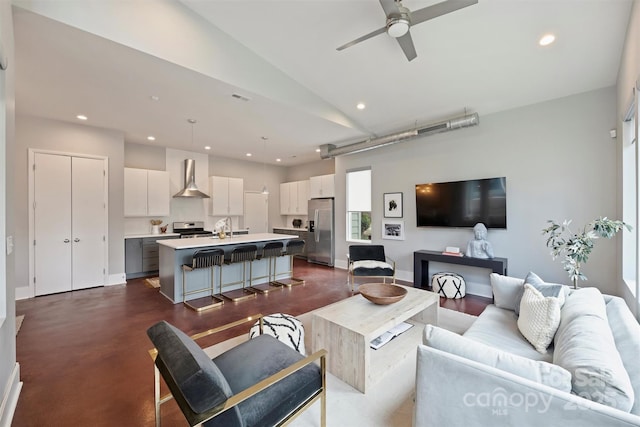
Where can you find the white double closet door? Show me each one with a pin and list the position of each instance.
(69, 223)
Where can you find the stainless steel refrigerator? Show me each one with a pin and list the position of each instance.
(321, 236)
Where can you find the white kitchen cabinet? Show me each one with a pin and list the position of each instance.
(322, 186)
(70, 220)
(294, 197)
(303, 197)
(285, 198)
(227, 196)
(146, 193)
(158, 193)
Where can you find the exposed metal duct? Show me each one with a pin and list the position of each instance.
(328, 151)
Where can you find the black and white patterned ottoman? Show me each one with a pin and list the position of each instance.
(448, 285)
(284, 327)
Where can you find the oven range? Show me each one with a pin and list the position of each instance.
(191, 229)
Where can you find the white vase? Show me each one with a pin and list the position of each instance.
(155, 229)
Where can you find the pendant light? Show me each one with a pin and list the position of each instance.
(265, 190)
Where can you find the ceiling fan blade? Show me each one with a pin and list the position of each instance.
(406, 43)
(389, 7)
(439, 9)
(363, 38)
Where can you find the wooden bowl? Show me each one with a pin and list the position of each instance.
(382, 293)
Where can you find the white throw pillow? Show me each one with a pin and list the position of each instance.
(371, 264)
(539, 318)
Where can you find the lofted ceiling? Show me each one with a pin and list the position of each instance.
(484, 58)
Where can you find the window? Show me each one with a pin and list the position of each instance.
(630, 196)
(359, 205)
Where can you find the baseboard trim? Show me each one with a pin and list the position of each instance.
(116, 279)
(10, 397)
(24, 292)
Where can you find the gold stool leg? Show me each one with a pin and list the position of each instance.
(215, 301)
(262, 289)
(246, 293)
(292, 281)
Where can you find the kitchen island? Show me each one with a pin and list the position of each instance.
(176, 252)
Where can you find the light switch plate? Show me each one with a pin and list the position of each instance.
(9, 245)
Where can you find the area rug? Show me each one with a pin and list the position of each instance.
(389, 403)
(19, 320)
(152, 282)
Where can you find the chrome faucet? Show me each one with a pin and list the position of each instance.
(229, 221)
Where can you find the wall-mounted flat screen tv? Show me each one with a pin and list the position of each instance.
(462, 203)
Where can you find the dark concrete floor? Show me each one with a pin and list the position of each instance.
(84, 358)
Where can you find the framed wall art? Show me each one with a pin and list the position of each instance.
(393, 205)
(393, 230)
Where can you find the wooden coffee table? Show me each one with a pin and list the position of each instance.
(346, 328)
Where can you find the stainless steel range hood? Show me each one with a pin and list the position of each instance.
(190, 189)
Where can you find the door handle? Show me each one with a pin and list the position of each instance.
(76, 240)
(66, 240)
(317, 233)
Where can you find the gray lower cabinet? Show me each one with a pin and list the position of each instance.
(141, 256)
(302, 234)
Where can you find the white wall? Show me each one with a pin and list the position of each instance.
(255, 175)
(302, 172)
(628, 76)
(10, 384)
(559, 161)
(39, 133)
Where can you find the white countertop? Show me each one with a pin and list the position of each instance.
(291, 228)
(200, 242)
(159, 236)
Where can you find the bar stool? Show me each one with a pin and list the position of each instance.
(294, 247)
(270, 251)
(207, 258)
(240, 254)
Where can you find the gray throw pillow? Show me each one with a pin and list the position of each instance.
(507, 291)
(546, 289)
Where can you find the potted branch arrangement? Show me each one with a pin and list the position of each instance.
(576, 247)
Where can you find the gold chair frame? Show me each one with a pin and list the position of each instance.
(195, 419)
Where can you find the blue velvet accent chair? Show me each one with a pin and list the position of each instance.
(260, 382)
(370, 261)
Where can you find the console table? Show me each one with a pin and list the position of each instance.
(421, 265)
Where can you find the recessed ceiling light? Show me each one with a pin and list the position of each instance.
(278, 160)
(155, 98)
(248, 154)
(547, 39)
(151, 138)
(206, 147)
(317, 150)
(361, 106)
(81, 117)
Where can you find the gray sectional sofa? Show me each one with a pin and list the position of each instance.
(492, 375)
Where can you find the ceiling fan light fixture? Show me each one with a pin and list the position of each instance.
(398, 27)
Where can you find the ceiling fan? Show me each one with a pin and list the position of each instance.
(400, 19)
